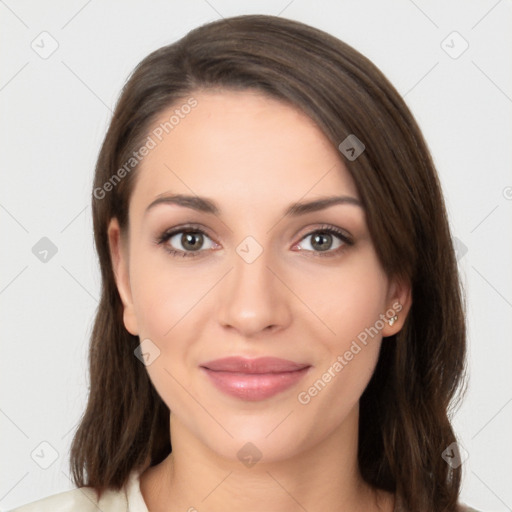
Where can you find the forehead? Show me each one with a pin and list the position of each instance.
(241, 146)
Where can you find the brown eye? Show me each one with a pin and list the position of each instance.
(186, 242)
(192, 241)
(327, 241)
(322, 241)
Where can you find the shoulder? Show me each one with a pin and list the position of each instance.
(461, 507)
(82, 499)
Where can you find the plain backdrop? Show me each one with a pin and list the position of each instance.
(63, 64)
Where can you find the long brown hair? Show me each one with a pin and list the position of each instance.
(405, 409)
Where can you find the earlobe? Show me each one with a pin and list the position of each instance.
(119, 258)
(399, 305)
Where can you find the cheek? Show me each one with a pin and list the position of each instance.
(167, 300)
(347, 299)
(164, 291)
(336, 388)
(164, 305)
(349, 302)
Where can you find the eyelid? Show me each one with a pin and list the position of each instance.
(330, 228)
(191, 226)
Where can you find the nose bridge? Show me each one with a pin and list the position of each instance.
(253, 299)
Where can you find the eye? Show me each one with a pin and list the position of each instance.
(325, 241)
(189, 241)
(185, 241)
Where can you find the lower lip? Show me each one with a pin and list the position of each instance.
(254, 386)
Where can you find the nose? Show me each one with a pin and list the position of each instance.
(253, 299)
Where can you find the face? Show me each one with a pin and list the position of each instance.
(232, 273)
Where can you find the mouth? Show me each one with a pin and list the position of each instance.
(254, 379)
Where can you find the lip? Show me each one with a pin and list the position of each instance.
(254, 379)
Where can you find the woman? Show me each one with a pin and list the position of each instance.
(280, 297)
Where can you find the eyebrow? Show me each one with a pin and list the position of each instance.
(206, 205)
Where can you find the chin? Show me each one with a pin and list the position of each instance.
(265, 439)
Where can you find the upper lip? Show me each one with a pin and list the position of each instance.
(258, 365)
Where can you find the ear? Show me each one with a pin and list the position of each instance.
(399, 303)
(119, 257)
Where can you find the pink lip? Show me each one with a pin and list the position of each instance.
(254, 379)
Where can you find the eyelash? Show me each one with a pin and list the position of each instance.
(166, 235)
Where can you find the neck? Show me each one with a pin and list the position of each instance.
(323, 477)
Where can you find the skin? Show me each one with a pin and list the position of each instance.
(253, 156)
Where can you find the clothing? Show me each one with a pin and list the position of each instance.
(128, 499)
(83, 499)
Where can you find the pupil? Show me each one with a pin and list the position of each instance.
(321, 241)
(191, 241)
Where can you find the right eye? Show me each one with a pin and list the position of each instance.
(189, 238)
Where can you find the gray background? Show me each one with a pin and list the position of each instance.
(55, 109)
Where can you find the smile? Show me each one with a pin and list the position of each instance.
(254, 379)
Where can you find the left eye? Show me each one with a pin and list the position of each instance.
(325, 240)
